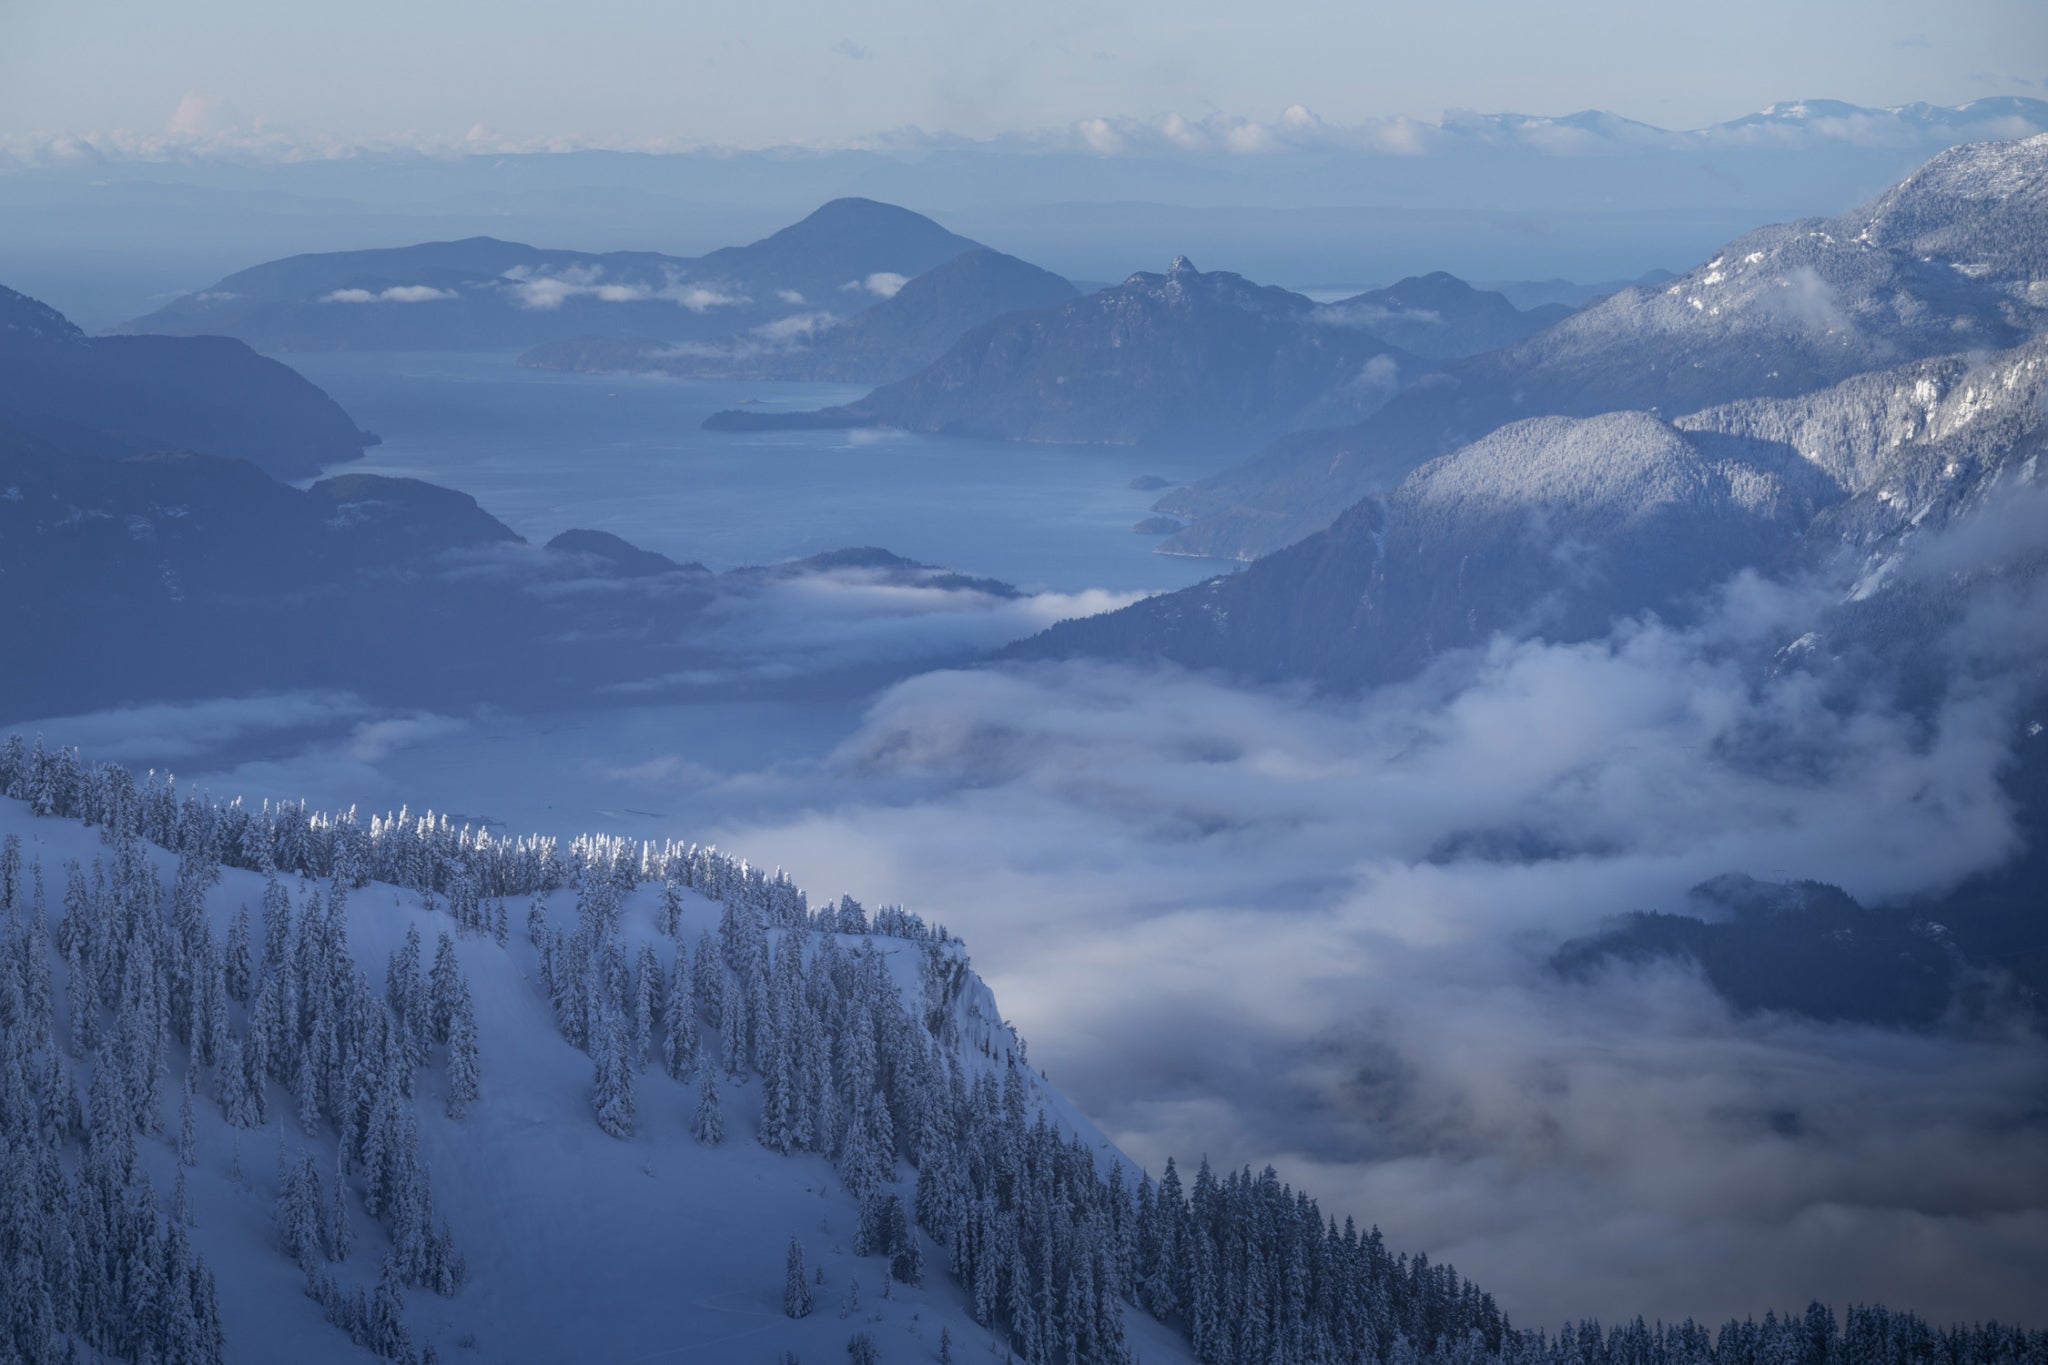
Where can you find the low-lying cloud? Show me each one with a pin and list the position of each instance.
(545, 290)
(397, 293)
(883, 284)
(1272, 927)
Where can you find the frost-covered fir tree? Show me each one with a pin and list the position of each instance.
(708, 976)
(796, 1285)
(643, 1005)
(465, 1075)
(732, 1036)
(405, 991)
(300, 1214)
(709, 1121)
(446, 986)
(672, 910)
(612, 1090)
(238, 968)
(679, 1040)
(188, 1123)
(339, 1231)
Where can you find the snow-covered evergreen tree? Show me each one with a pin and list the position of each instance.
(445, 989)
(465, 1075)
(612, 1089)
(708, 1123)
(679, 1039)
(796, 1284)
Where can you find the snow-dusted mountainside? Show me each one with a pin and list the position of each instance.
(1549, 526)
(1951, 259)
(1190, 356)
(1554, 526)
(1905, 444)
(1942, 448)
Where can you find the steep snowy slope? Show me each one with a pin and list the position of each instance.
(576, 1245)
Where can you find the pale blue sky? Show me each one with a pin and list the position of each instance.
(773, 71)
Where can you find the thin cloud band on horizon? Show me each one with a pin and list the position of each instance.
(204, 127)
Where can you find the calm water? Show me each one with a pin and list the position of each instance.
(544, 452)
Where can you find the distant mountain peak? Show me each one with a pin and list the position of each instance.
(1181, 265)
(855, 215)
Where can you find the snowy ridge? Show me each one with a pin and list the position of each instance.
(1931, 417)
(1950, 260)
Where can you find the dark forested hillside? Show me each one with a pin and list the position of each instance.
(1207, 358)
(226, 580)
(204, 393)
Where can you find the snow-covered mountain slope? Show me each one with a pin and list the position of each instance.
(1551, 526)
(1941, 462)
(1893, 439)
(1953, 258)
(574, 1243)
(1555, 526)
(576, 1137)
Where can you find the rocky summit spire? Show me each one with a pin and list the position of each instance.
(1181, 266)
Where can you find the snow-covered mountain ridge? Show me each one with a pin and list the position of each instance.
(1951, 259)
(802, 1087)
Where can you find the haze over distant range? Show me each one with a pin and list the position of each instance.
(805, 72)
(110, 226)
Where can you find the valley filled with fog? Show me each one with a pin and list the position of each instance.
(1068, 807)
(1256, 923)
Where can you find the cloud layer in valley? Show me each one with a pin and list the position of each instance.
(1268, 927)
(1271, 926)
